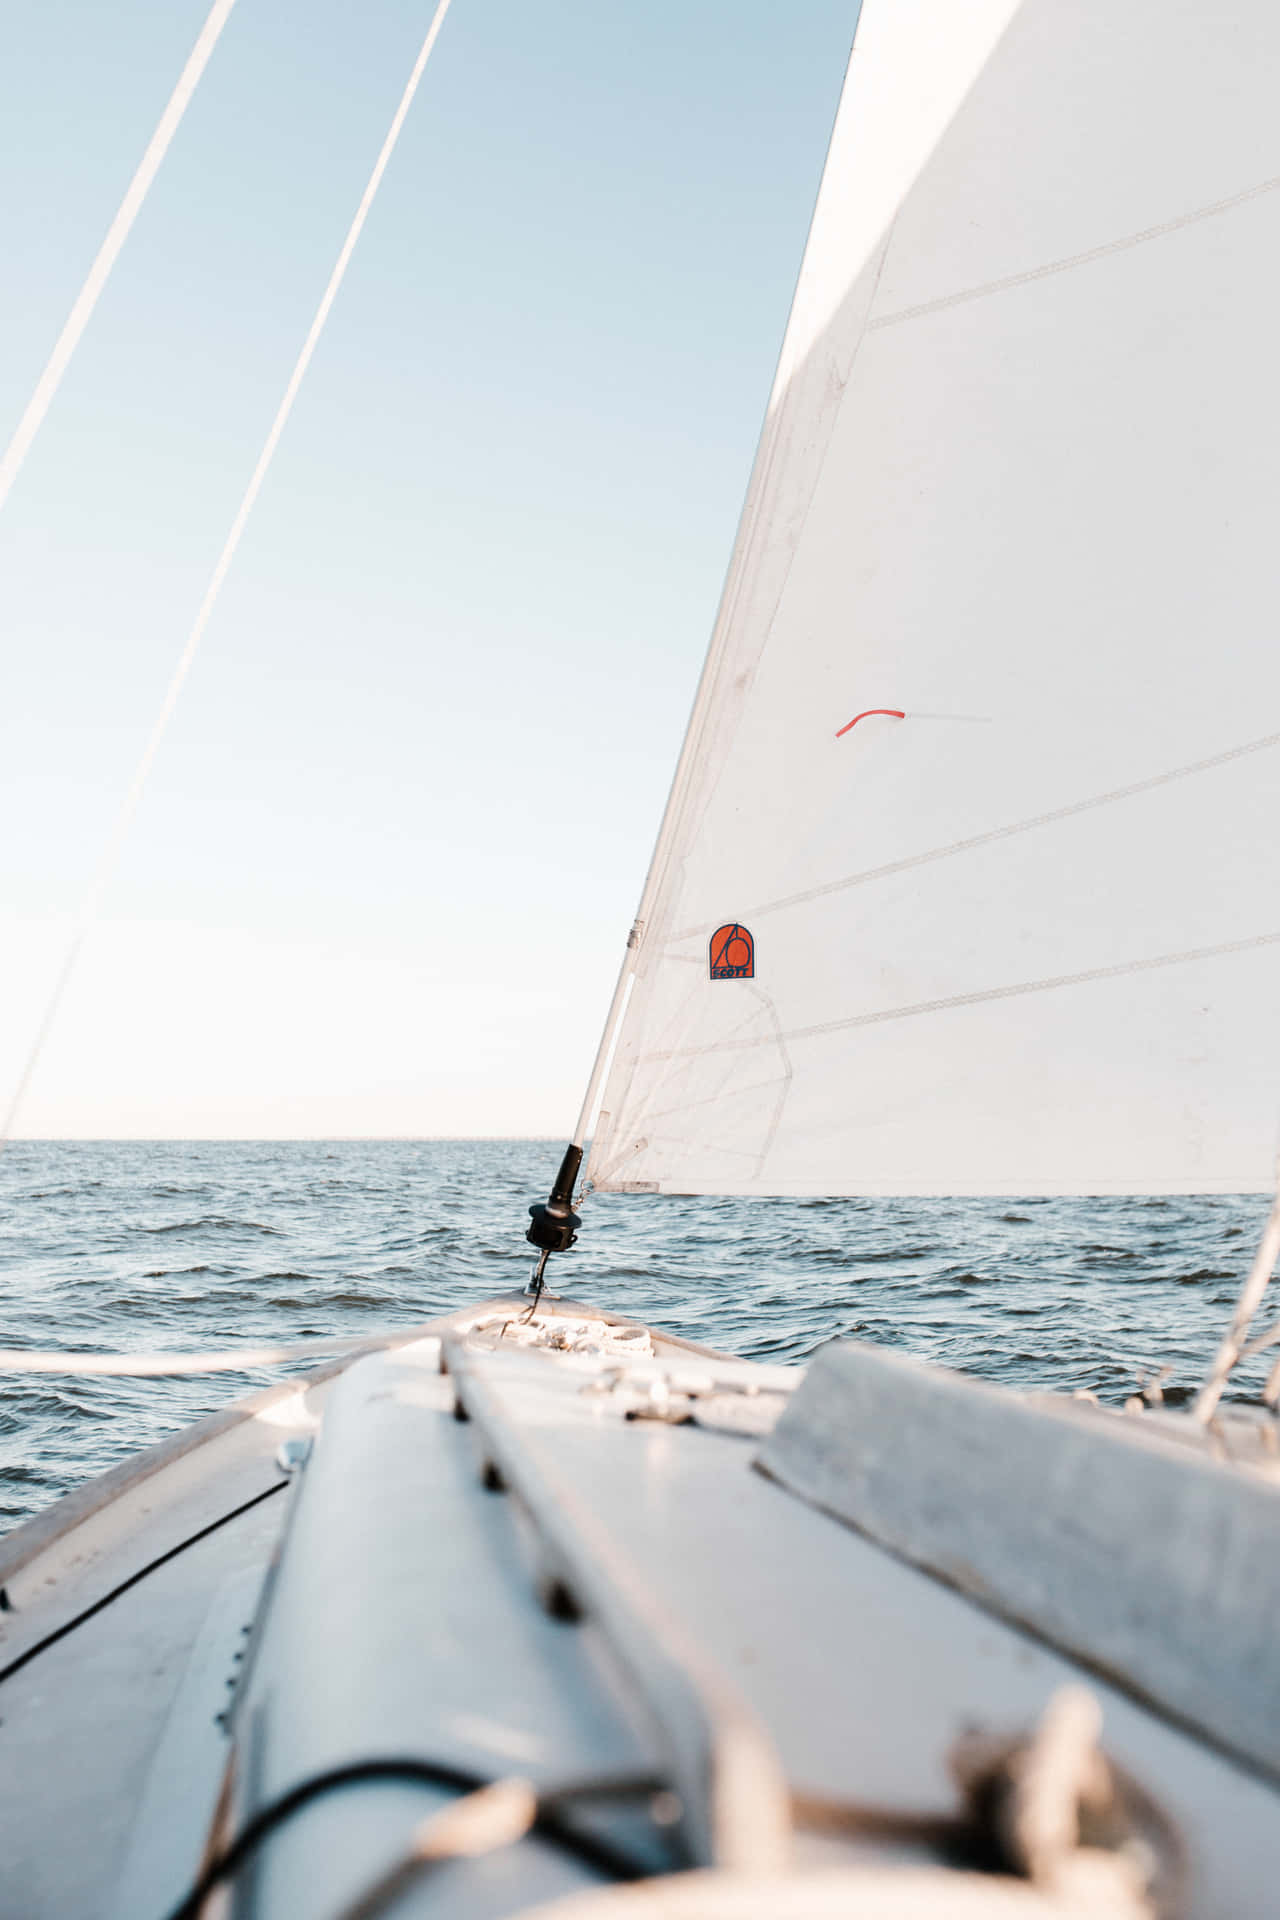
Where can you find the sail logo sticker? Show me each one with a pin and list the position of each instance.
(733, 954)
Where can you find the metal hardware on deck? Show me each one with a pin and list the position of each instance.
(292, 1455)
(724, 1769)
(553, 1224)
(559, 1599)
(1050, 1804)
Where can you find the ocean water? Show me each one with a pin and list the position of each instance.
(136, 1245)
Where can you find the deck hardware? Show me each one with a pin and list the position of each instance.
(659, 1403)
(292, 1455)
(559, 1599)
(553, 1224)
(1038, 1803)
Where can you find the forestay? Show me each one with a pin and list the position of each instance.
(1018, 483)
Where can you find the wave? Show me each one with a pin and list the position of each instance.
(212, 1223)
(1053, 1293)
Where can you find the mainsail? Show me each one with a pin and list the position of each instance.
(1018, 485)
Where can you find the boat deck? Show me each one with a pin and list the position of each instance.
(643, 1592)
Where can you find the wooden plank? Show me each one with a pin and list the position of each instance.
(734, 1796)
(1158, 1566)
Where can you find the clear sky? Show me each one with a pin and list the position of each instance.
(383, 872)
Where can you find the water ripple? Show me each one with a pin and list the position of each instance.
(1029, 1292)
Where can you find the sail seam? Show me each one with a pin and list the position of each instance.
(978, 998)
(784, 1089)
(713, 1099)
(1085, 259)
(996, 833)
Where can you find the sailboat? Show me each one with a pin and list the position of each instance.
(965, 886)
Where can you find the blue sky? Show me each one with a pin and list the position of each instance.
(388, 857)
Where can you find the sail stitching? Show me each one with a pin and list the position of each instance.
(781, 1082)
(984, 994)
(725, 1087)
(677, 1018)
(1076, 259)
(997, 833)
(786, 1078)
(611, 1162)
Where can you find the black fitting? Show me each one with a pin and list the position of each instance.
(553, 1223)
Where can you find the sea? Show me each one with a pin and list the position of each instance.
(143, 1245)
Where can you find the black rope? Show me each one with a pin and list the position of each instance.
(548, 1824)
(69, 1626)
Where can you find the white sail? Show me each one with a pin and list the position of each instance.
(1019, 482)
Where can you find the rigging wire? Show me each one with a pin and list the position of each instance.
(110, 856)
(118, 232)
(1233, 1344)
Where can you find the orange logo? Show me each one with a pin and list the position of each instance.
(733, 954)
